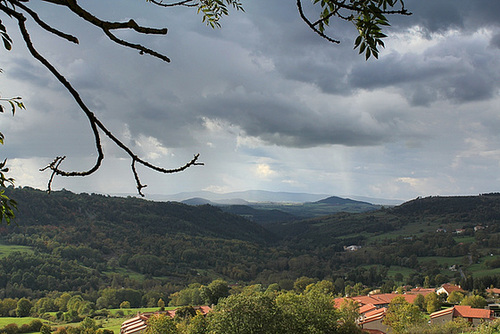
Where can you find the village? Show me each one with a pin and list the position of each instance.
(373, 308)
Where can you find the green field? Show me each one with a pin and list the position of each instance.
(393, 270)
(442, 260)
(113, 323)
(6, 250)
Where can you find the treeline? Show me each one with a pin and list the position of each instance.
(306, 306)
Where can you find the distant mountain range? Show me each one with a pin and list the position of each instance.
(273, 212)
(259, 196)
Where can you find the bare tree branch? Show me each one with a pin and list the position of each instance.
(186, 3)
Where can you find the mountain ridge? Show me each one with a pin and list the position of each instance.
(261, 196)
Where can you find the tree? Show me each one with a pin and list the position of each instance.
(307, 313)
(23, 307)
(161, 304)
(185, 312)
(420, 302)
(301, 283)
(245, 314)
(198, 325)
(160, 324)
(7, 205)
(402, 315)
(187, 296)
(368, 17)
(88, 326)
(324, 287)
(214, 291)
(455, 297)
(474, 301)
(349, 314)
(432, 302)
(125, 304)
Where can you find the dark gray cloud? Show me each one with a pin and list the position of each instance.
(441, 15)
(495, 40)
(284, 122)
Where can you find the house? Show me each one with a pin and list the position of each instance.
(473, 315)
(421, 291)
(138, 324)
(495, 308)
(449, 288)
(376, 300)
(373, 321)
(372, 309)
(494, 292)
(352, 248)
(479, 228)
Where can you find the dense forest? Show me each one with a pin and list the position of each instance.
(88, 243)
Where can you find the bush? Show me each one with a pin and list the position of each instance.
(125, 304)
(61, 330)
(104, 331)
(11, 329)
(25, 328)
(35, 325)
(45, 329)
(493, 263)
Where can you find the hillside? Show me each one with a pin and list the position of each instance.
(96, 236)
(66, 241)
(272, 212)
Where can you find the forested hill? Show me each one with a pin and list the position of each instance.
(418, 216)
(485, 206)
(70, 242)
(130, 216)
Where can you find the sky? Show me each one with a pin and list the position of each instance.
(267, 103)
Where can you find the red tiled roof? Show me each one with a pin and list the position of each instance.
(377, 300)
(493, 290)
(383, 298)
(420, 291)
(367, 308)
(464, 312)
(442, 312)
(449, 288)
(139, 322)
(469, 312)
(374, 316)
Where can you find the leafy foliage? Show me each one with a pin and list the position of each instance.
(161, 324)
(368, 16)
(7, 204)
(214, 10)
(402, 315)
(245, 314)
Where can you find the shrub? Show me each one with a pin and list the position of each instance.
(35, 325)
(45, 329)
(11, 329)
(25, 328)
(125, 304)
